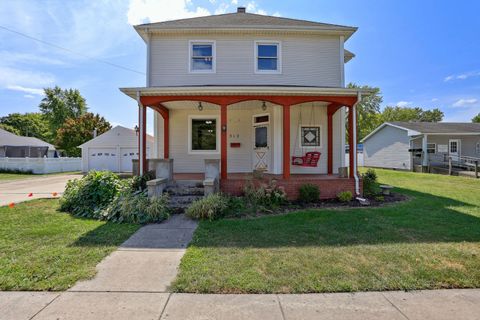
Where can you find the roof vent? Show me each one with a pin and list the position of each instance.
(241, 10)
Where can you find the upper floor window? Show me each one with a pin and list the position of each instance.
(268, 57)
(202, 56)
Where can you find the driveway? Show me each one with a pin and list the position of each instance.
(40, 187)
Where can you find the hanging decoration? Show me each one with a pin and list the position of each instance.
(310, 137)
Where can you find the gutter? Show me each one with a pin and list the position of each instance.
(355, 173)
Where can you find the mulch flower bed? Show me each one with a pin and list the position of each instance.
(377, 201)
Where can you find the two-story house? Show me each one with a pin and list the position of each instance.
(251, 93)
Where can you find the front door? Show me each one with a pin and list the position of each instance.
(454, 149)
(261, 147)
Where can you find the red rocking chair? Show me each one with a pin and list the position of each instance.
(310, 159)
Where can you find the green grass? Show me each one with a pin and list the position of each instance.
(44, 249)
(431, 241)
(19, 176)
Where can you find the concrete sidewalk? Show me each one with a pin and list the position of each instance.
(424, 305)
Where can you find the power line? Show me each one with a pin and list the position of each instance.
(70, 51)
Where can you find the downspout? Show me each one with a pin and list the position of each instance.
(355, 170)
(140, 135)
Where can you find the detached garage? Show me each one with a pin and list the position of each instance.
(113, 150)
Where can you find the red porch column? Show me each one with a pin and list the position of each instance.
(223, 141)
(330, 111)
(164, 112)
(286, 142)
(142, 139)
(352, 146)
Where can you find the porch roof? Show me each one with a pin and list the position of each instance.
(242, 90)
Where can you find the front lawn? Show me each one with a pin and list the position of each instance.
(431, 241)
(44, 249)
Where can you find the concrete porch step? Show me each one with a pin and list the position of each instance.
(182, 191)
(186, 184)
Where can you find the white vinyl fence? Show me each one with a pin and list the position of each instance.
(42, 165)
(360, 161)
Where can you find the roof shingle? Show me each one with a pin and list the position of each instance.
(440, 127)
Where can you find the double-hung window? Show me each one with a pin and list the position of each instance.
(203, 134)
(268, 57)
(202, 56)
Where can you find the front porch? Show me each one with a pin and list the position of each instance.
(254, 129)
(329, 184)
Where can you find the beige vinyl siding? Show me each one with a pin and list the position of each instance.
(388, 148)
(319, 119)
(240, 129)
(467, 143)
(306, 61)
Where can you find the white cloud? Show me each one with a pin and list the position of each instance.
(462, 76)
(24, 78)
(10, 57)
(234, 2)
(28, 96)
(222, 8)
(144, 11)
(31, 91)
(403, 103)
(435, 99)
(465, 102)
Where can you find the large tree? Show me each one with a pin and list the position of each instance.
(476, 119)
(406, 114)
(27, 124)
(61, 104)
(368, 110)
(76, 131)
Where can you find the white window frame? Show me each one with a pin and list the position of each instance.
(218, 133)
(434, 147)
(279, 56)
(214, 55)
(300, 136)
(258, 116)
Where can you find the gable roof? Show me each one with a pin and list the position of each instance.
(10, 139)
(244, 20)
(440, 127)
(125, 135)
(417, 128)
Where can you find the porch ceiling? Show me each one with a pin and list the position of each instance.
(242, 90)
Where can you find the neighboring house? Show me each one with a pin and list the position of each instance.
(249, 92)
(13, 146)
(401, 145)
(113, 150)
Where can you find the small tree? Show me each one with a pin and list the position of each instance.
(476, 119)
(75, 132)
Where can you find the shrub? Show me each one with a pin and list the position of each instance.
(86, 197)
(16, 171)
(266, 196)
(308, 193)
(345, 196)
(369, 183)
(139, 183)
(211, 207)
(136, 208)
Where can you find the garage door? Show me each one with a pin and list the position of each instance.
(103, 159)
(127, 155)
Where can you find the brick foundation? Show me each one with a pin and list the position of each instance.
(329, 186)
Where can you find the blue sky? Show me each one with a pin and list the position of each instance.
(420, 53)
